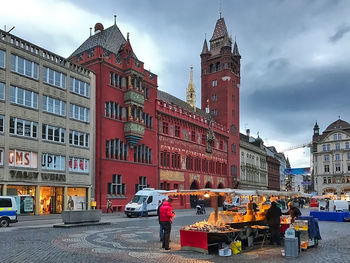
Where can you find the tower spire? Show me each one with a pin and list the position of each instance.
(191, 91)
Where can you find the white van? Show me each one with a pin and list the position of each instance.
(134, 207)
(8, 211)
(237, 201)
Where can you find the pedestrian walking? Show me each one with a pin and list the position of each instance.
(109, 206)
(273, 219)
(161, 229)
(166, 216)
(144, 208)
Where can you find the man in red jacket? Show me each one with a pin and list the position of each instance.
(166, 216)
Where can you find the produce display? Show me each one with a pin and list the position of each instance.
(207, 227)
(285, 219)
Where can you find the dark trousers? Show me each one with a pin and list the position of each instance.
(109, 209)
(161, 231)
(275, 234)
(167, 229)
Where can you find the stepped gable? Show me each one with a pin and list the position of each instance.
(110, 39)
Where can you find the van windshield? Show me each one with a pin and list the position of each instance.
(138, 199)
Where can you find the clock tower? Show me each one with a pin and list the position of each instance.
(220, 83)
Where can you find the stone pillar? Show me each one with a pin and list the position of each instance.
(4, 189)
(124, 83)
(65, 198)
(37, 200)
(88, 198)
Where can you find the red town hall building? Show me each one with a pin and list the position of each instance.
(148, 138)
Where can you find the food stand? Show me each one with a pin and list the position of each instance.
(228, 226)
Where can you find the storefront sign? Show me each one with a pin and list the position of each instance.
(53, 177)
(28, 204)
(23, 159)
(24, 175)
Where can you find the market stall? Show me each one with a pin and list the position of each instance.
(245, 223)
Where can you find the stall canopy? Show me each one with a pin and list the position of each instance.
(241, 192)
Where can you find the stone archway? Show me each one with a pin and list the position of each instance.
(208, 185)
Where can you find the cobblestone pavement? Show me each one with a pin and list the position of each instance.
(137, 240)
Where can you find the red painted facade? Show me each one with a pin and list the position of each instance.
(220, 90)
(125, 91)
(147, 138)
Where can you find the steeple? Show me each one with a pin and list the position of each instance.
(205, 47)
(191, 91)
(316, 129)
(235, 50)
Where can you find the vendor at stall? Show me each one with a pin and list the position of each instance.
(293, 211)
(273, 219)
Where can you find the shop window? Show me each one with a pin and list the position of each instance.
(18, 158)
(53, 162)
(78, 165)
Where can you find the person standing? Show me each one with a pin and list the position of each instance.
(166, 216)
(161, 229)
(109, 206)
(293, 211)
(273, 219)
(144, 208)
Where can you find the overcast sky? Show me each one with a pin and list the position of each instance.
(295, 54)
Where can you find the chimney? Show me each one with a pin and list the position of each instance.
(247, 132)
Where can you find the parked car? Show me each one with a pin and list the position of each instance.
(8, 211)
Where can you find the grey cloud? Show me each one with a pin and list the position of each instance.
(341, 32)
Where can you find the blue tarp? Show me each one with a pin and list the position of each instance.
(313, 228)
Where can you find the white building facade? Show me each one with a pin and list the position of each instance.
(331, 159)
(253, 174)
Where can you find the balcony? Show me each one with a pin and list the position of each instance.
(133, 132)
(135, 97)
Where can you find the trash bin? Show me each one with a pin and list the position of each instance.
(291, 248)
